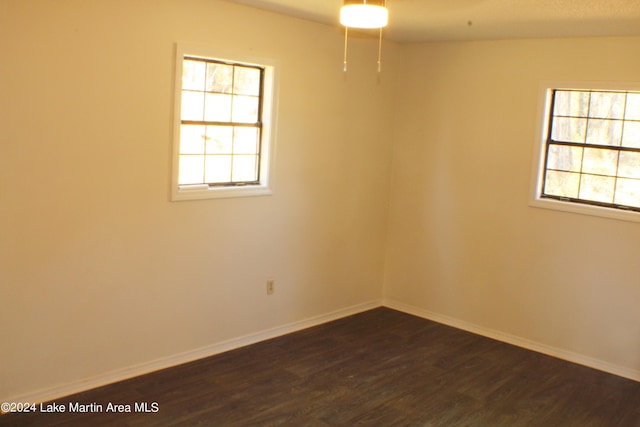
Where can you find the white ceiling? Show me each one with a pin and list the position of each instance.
(430, 20)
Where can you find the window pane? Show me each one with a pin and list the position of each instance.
(633, 106)
(564, 184)
(564, 158)
(245, 140)
(597, 188)
(600, 161)
(192, 139)
(631, 134)
(219, 78)
(247, 81)
(192, 105)
(604, 132)
(593, 148)
(245, 168)
(569, 130)
(193, 75)
(245, 109)
(571, 103)
(218, 107)
(218, 169)
(629, 165)
(220, 132)
(191, 170)
(607, 105)
(628, 192)
(219, 139)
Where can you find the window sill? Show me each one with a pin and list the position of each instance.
(583, 209)
(201, 192)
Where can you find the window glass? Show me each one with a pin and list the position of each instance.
(220, 123)
(592, 153)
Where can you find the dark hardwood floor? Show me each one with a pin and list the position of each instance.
(378, 368)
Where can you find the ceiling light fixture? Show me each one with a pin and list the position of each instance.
(364, 14)
(367, 14)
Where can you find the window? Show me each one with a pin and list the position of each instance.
(223, 130)
(588, 157)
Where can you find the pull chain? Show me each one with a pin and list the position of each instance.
(380, 52)
(346, 34)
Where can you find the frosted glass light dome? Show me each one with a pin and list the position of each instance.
(364, 14)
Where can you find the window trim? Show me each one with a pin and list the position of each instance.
(543, 121)
(268, 133)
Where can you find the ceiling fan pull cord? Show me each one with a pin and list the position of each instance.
(380, 52)
(346, 31)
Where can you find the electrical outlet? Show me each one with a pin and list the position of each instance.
(271, 286)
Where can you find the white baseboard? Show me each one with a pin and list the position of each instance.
(49, 394)
(57, 392)
(559, 353)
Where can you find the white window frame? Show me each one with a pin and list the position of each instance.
(267, 153)
(545, 95)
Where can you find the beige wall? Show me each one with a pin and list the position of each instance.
(463, 243)
(99, 271)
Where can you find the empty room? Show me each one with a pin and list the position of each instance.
(218, 212)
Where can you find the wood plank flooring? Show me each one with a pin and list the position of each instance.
(378, 368)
